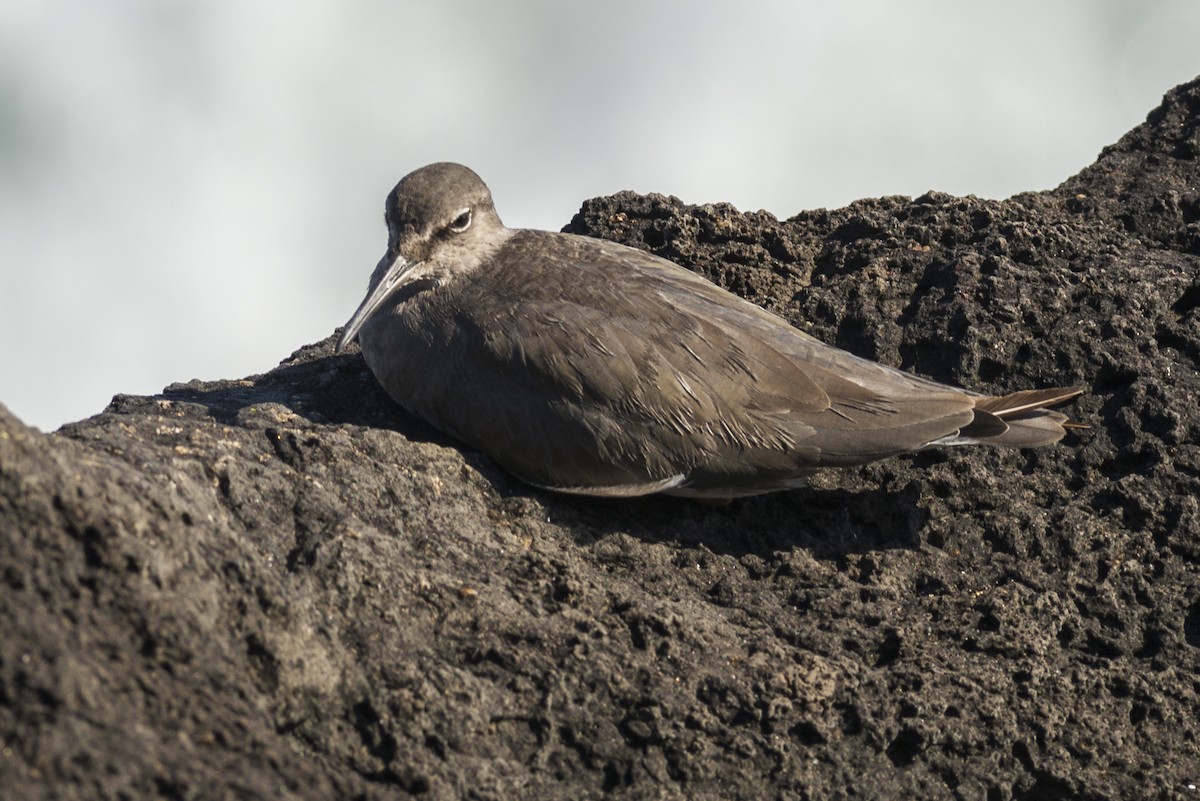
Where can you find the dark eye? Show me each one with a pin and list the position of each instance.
(462, 222)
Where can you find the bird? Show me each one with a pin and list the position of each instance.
(585, 366)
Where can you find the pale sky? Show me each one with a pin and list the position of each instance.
(194, 189)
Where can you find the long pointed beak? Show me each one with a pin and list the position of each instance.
(392, 280)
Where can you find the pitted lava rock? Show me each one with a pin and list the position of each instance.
(284, 586)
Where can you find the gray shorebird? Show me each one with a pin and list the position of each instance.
(585, 366)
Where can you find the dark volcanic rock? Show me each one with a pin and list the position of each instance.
(285, 587)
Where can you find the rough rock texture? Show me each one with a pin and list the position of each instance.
(284, 587)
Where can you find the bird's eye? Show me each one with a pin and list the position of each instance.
(462, 222)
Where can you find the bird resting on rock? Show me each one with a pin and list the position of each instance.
(586, 366)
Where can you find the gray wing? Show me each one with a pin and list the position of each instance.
(668, 382)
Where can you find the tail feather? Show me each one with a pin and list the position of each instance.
(1003, 406)
(1016, 420)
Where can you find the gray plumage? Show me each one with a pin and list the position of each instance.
(586, 366)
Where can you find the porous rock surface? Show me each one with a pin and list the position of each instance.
(285, 587)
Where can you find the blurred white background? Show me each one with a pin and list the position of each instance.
(194, 189)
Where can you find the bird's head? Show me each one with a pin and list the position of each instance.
(441, 225)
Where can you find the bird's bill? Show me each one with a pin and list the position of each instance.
(393, 279)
